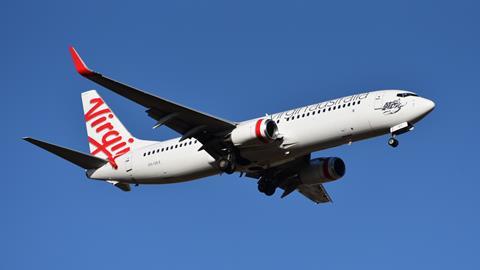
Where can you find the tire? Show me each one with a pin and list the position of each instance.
(223, 164)
(230, 169)
(226, 166)
(393, 142)
(262, 186)
(270, 190)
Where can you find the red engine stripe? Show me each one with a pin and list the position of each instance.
(325, 169)
(258, 132)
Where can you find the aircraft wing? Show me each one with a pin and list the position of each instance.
(186, 121)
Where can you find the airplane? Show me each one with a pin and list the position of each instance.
(274, 150)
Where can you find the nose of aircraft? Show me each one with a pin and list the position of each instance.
(425, 105)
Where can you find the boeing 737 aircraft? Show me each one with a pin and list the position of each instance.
(273, 149)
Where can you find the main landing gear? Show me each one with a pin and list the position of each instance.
(266, 186)
(226, 164)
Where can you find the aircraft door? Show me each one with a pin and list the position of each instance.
(378, 101)
(129, 165)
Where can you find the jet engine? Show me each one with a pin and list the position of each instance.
(261, 131)
(321, 170)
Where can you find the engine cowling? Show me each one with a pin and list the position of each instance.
(321, 170)
(261, 131)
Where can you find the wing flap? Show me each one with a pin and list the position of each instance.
(80, 159)
(316, 193)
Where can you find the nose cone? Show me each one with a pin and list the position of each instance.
(429, 105)
(425, 106)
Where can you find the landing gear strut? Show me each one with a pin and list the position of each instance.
(226, 165)
(266, 186)
(393, 142)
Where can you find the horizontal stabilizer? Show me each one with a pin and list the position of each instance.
(85, 161)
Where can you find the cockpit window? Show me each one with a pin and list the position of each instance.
(407, 95)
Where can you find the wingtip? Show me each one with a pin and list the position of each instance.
(79, 64)
(29, 140)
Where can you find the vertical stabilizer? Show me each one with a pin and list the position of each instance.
(107, 136)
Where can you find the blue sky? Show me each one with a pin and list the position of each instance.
(415, 206)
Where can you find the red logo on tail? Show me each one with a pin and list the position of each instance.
(112, 144)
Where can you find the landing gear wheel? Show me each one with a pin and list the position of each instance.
(226, 166)
(270, 190)
(262, 186)
(267, 187)
(393, 142)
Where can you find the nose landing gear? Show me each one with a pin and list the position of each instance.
(397, 130)
(393, 142)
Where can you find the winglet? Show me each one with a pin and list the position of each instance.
(79, 64)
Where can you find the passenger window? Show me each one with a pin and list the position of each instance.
(313, 113)
(144, 154)
(324, 110)
(329, 109)
(343, 106)
(358, 102)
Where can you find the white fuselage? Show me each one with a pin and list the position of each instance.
(303, 130)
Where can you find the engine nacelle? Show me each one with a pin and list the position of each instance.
(321, 170)
(255, 132)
